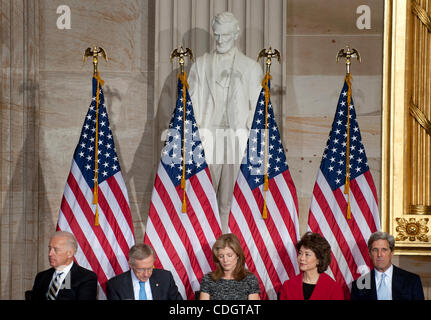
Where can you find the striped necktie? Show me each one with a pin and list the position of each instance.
(52, 292)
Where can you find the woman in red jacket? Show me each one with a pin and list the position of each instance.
(314, 257)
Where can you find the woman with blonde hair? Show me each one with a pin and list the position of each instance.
(231, 280)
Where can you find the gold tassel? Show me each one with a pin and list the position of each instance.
(183, 78)
(347, 185)
(100, 82)
(184, 207)
(265, 211)
(265, 183)
(349, 214)
(96, 219)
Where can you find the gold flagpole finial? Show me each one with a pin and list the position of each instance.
(180, 53)
(348, 54)
(269, 54)
(95, 53)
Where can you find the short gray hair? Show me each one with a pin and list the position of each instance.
(226, 17)
(71, 240)
(140, 251)
(380, 235)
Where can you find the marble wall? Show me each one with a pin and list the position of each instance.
(45, 90)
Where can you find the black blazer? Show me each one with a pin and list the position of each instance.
(405, 286)
(83, 284)
(162, 284)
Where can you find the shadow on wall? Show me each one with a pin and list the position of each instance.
(25, 215)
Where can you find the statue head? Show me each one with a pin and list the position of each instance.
(226, 30)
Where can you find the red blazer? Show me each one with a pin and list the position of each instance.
(326, 289)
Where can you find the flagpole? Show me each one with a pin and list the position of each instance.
(268, 54)
(180, 53)
(95, 53)
(348, 55)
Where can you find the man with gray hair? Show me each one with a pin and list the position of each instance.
(142, 281)
(224, 89)
(65, 280)
(386, 281)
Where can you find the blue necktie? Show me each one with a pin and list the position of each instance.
(383, 290)
(142, 293)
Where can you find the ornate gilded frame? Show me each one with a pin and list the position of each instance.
(401, 216)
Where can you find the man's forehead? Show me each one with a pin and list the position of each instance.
(224, 28)
(147, 260)
(380, 244)
(57, 240)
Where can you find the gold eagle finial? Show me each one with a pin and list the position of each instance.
(269, 54)
(180, 53)
(95, 53)
(348, 54)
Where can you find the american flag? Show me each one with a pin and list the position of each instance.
(328, 210)
(183, 240)
(104, 248)
(268, 244)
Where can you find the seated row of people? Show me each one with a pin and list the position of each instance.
(65, 280)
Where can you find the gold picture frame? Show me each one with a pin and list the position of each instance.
(406, 144)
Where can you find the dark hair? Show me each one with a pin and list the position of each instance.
(231, 241)
(321, 248)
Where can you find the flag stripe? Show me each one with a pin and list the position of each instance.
(115, 188)
(252, 256)
(317, 224)
(87, 214)
(84, 244)
(181, 221)
(361, 188)
(163, 256)
(171, 247)
(336, 222)
(252, 213)
(118, 231)
(284, 223)
(174, 227)
(270, 235)
(210, 220)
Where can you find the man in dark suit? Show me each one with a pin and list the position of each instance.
(386, 281)
(65, 280)
(142, 282)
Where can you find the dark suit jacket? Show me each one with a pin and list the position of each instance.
(162, 284)
(405, 286)
(326, 289)
(83, 285)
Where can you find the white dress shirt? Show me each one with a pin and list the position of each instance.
(137, 287)
(388, 279)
